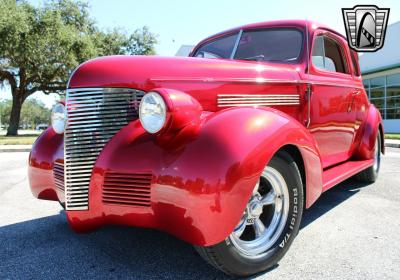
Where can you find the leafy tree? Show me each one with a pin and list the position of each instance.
(5, 110)
(33, 112)
(40, 47)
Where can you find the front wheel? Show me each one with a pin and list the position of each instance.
(269, 224)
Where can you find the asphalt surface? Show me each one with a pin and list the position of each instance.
(352, 232)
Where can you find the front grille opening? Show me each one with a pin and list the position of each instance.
(94, 116)
(131, 189)
(58, 174)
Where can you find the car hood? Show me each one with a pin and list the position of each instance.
(147, 72)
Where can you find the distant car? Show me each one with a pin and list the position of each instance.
(42, 127)
(222, 149)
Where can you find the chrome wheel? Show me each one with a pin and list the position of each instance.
(265, 216)
(377, 155)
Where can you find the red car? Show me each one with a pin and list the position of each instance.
(223, 149)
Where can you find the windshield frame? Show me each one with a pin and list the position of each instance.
(240, 32)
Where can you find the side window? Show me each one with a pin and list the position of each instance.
(327, 55)
(335, 57)
(355, 63)
(318, 53)
(219, 48)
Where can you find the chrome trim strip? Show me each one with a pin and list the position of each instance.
(257, 80)
(236, 100)
(244, 99)
(258, 104)
(94, 115)
(234, 80)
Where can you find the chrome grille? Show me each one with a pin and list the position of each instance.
(132, 189)
(58, 173)
(94, 116)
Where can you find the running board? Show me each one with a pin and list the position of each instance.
(337, 174)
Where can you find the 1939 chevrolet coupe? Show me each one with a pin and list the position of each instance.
(223, 149)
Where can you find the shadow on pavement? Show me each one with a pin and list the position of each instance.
(330, 199)
(47, 248)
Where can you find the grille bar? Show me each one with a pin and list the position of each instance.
(127, 189)
(58, 173)
(94, 115)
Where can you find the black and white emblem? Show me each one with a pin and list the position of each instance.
(365, 27)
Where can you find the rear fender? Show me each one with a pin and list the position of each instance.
(371, 126)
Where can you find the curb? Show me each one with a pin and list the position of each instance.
(392, 145)
(11, 150)
(15, 148)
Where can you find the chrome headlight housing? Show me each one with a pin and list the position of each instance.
(58, 118)
(152, 112)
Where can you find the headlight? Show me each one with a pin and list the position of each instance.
(152, 112)
(58, 118)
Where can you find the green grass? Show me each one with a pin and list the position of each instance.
(392, 136)
(26, 139)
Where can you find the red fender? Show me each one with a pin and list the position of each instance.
(47, 148)
(371, 126)
(203, 175)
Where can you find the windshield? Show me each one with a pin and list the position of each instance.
(274, 44)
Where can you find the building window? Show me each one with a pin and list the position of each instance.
(393, 79)
(384, 93)
(377, 94)
(393, 97)
(377, 82)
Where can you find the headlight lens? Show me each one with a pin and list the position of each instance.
(58, 118)
(152, 112)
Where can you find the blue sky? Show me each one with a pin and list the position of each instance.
(187, 22)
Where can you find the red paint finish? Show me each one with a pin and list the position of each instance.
(200, 177)
(47, 149)
(203, 165)
(339, 173)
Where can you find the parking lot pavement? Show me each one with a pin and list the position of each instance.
(350, 233)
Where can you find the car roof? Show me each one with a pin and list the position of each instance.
(312, 25)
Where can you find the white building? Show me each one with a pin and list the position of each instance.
(381, 76)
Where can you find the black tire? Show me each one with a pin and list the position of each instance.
(227, 258)
(370, 174)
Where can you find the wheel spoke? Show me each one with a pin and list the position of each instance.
(259, 227)
(278, 204)
(255, 190)
(268, 199)
(240, 228)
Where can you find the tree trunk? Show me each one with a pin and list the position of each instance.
(18, 99)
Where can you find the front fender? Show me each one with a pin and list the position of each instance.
(203, 176)
(45, 151)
